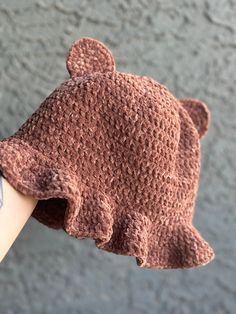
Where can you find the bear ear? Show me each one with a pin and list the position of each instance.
(199, 114)
(88, 56)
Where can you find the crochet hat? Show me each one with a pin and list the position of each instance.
(114, 157)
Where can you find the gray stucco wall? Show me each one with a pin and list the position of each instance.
(190, 46)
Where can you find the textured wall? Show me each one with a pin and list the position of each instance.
(190, 46)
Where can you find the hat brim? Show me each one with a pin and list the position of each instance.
(62, 203)
(35, 175)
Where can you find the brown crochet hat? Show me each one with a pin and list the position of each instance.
(114, 157)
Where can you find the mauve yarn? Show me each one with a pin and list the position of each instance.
(114, 157)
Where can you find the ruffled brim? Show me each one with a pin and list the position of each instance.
(169, 246)
(35, 175)
(64, 202)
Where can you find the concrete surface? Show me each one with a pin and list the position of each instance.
(190, 46)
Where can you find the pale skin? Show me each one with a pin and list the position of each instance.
(15, 210)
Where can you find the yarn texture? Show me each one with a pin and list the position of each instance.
(114, 157)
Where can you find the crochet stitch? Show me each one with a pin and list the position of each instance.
(114, 157)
